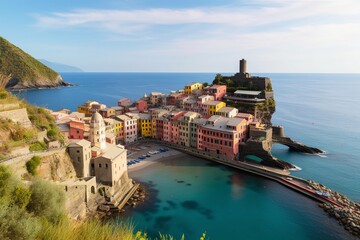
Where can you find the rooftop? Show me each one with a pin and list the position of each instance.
(82, 142)
(212, 103)
(235, 121)
(226, 109)
(245, 92)
(112, 151)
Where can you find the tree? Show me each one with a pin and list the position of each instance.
(46, 201)
(218, 78)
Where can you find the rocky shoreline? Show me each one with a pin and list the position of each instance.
(37, 87)
(348, 215)
(139, 196)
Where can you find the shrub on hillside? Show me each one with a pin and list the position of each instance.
(15, 222)
(37, 146)
(46, 201)
(20, 196)
(52, 133)
(32, 165)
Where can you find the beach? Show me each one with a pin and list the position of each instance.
(139, 149)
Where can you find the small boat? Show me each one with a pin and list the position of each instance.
(325, 194)
(319, 193)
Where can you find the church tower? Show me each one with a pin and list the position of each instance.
(97, 131)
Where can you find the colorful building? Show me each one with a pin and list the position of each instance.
(190, 88)
(107, 112)
(130, 128)
(222, 135)
(76, 129)
(123, 101)
(218, 91)
(155, 114)
(86, 107)
(145, 124)
(229, 112)
(184, 128)
(168, 121)
(118, 130)
(214, 106)
(141, 106)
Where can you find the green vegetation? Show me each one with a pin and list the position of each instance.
(32, 165)
(37, 146)
(6, 97)
(13, 135)
(43, 120)
(16, 65)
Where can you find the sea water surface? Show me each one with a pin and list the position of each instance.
(192, 196)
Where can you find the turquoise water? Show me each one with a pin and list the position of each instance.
(316, 109)
(192, 196)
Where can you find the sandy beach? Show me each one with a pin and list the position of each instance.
(138, 150)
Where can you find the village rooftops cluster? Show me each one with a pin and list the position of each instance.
(195, 117)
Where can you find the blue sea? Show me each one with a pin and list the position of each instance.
(193, 196)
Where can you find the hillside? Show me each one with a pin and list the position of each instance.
(59, 67)
(19, 70)
(24, 128)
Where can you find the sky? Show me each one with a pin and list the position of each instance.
(188, 35)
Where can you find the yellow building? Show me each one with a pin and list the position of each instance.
(85, 107)
(145, 125)
(192, 87)
(118, 127)
(214, 106)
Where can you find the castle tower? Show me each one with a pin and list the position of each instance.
(242, 66)
(97, 131)
(242, 70)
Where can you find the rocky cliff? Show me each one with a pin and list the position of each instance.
(19, 70)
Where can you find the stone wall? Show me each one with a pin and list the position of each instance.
(78, 194)
(9, 106)
(18, 115)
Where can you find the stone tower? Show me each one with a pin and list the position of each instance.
(97, 131)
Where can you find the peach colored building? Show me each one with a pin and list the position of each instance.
(218, 91)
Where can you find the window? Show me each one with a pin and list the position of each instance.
(78, 159)
(106, 165)
(77, 151)
(99, 165)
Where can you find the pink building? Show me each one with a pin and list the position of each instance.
(123, 101)
(141, 105)
(218, 91)
(76, 130)
(222, 135)
(172, 98)
(168, 129)
(130, 128)
(175, 132)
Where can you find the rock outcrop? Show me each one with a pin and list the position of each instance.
(279, 137)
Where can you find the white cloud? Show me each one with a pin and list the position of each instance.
(115, 20)
(293, 36)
